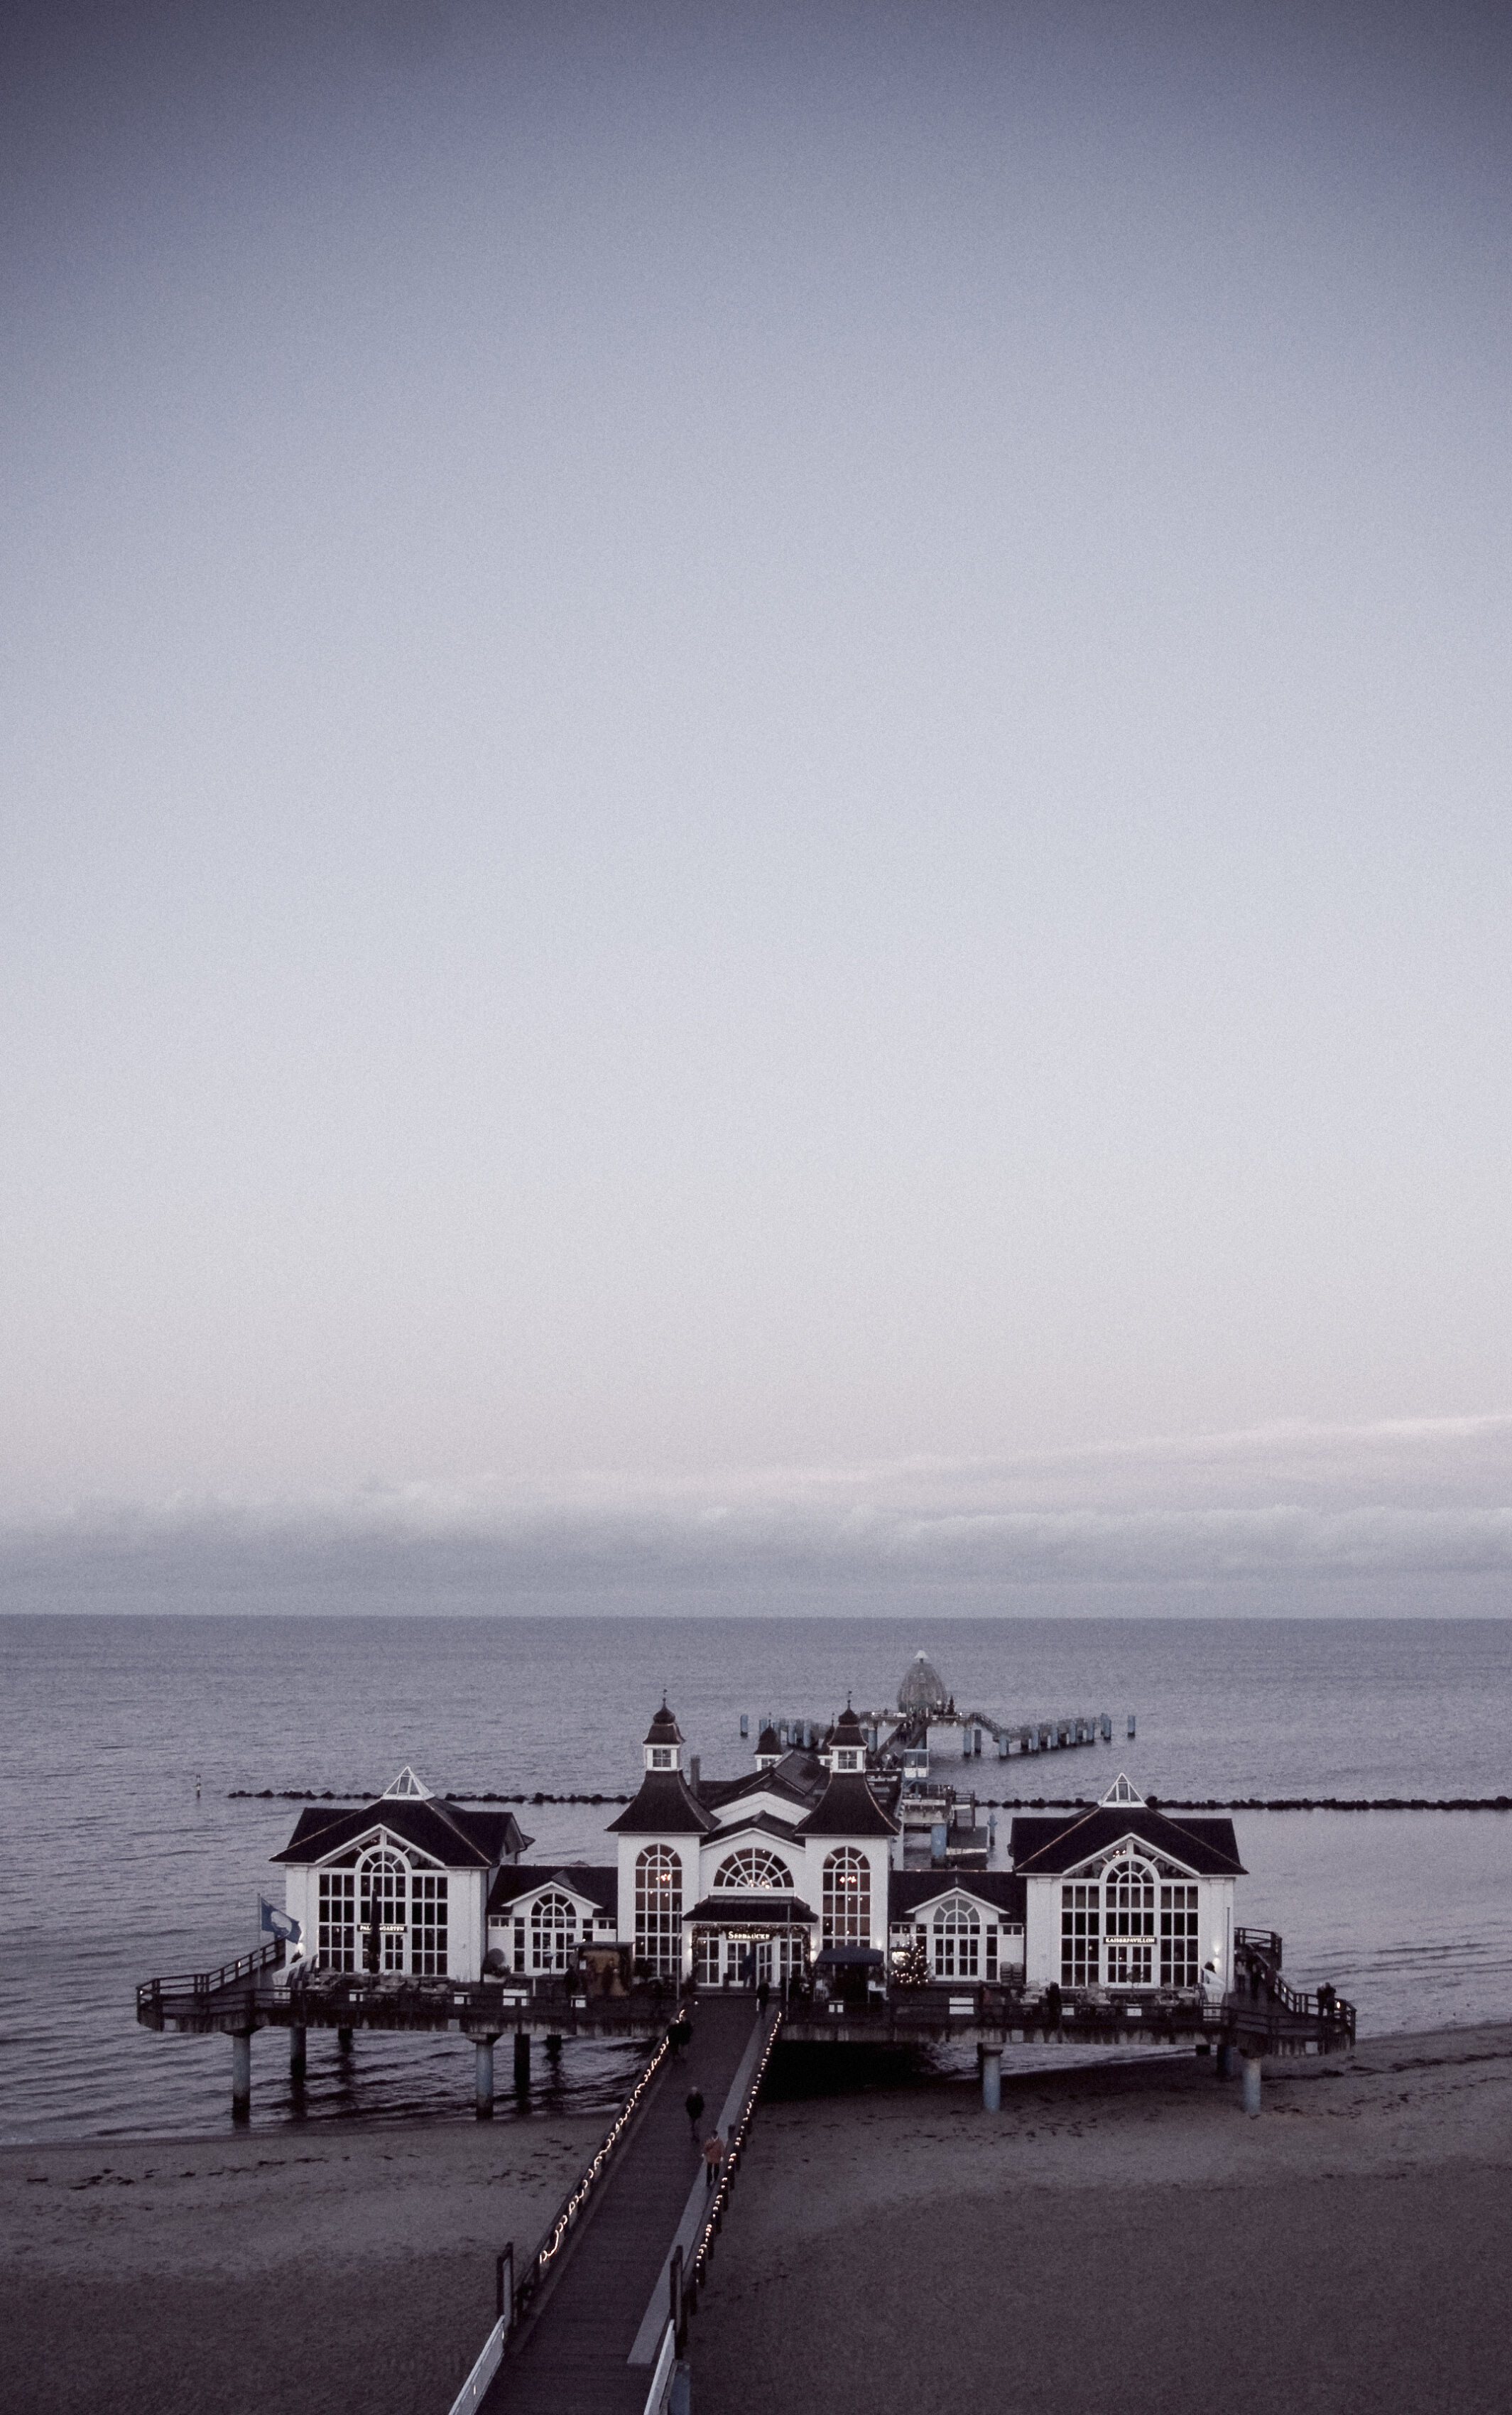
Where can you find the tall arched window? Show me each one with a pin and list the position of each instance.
(384, 1896)
(957, 1943)
(847, 1898)
(753, 1870)
(1129, 1923)
(553, 1933)
(659, 1911)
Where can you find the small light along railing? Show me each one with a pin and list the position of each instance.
(572, 2205)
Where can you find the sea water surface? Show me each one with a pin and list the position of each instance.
(115, 1868)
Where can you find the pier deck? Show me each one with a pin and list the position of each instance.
(573, 2349)
(1263, 2015)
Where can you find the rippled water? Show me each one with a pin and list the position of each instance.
(114, 1870)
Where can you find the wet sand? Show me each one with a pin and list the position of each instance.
(1126, 2239)
(1119, 2238)
(321, 2268)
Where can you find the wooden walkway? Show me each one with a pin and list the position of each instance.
(570, 2355)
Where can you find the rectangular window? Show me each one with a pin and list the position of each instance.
(427, 1925)
(1178, 1937)
(338, 1939)
(519, 1945)
(991, 1943)
(706, 1956)
(1079, 1911)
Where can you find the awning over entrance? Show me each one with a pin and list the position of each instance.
(771, 1908)
(850, 1958)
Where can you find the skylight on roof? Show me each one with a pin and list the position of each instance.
(1121, 1792)
(406, 1788)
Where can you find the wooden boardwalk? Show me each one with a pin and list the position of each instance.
(570, 2355)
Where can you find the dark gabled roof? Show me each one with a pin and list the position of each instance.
(1041, 1846)
(908, 1889)
(798, 1776)
(771, 1906)
(760, 1823)
(848, 1808)
(598, 1882)
(666, 1806)
(458, 1836)
(663, 1728)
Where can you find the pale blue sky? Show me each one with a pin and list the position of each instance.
(741, 745)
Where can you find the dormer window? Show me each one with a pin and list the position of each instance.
(661, 1756)
(848, 1761)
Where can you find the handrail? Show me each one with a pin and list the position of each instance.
(698, 2260)
(573, 2203)
(207, 1983)
(1337, 2010)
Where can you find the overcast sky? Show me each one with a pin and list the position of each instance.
(755, 810)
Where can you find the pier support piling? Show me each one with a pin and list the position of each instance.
(241, 2075)
(343, 2039)
(1251, 2084)
(992, 2079)
(484, 2048)
(522, 2063)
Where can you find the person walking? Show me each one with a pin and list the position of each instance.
(694, 2110)
(763, 1997)
(714, 2156)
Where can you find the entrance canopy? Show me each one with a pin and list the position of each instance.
(850, 1958)
(769, 1909)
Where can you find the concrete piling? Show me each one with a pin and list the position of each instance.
(483, 2049)
(241, 2075)
(522, 2063)
(343, 2040)
(296, 2056)
(992, 2079)
(1251, 2085)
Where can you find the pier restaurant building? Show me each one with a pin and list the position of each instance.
(800, 1868)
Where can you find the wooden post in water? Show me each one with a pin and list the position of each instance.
(241, 2075)
(483, 2049)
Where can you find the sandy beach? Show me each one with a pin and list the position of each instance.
(298, 2269)
(1127, 2238)
(1119, 2237)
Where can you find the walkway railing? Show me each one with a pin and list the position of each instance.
(560, 2226)
(1259, 1951)
(687, 2280)
(198, 1984)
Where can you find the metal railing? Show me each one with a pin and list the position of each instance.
(560, 2226)
(688, 2278)
(198, 1984)
(1325, 2007)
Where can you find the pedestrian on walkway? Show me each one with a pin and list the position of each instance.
(694, 2110)
(763, 1997)
(714, 2156)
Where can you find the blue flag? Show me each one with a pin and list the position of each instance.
(279, 1924)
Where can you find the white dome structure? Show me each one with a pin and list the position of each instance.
(923, 1688)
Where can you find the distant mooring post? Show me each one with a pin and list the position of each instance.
(1131, 1723)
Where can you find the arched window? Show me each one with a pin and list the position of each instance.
(384, 1896)
(847, 1898)
(659, 1911)
(1129, 1923)
(553, 1933)
(753, 1870)
(957, 1943)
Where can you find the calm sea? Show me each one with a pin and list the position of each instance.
(114, 1870)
